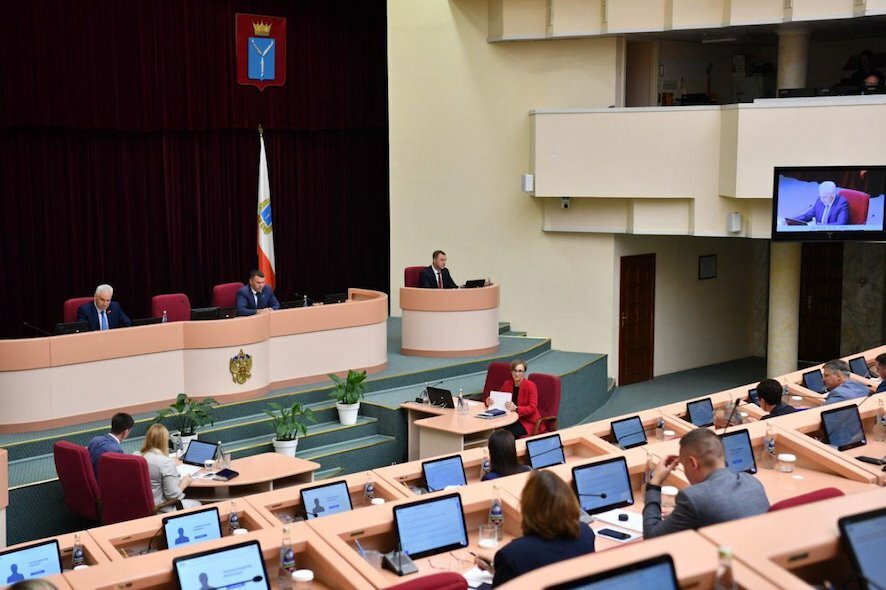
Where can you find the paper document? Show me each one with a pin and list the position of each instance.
(184, 470)
(498, 399)
(610, 517)
(477, 577)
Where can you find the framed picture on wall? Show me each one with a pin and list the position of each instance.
(707, 267)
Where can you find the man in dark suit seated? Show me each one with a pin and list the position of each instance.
(770, 392)
(255, 295)
(716, 494)
(121, 426)
(102, 313)
(841, 387)
(437, 276)
(880, 365)
(829, 209)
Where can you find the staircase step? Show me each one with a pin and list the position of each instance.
(328, 473)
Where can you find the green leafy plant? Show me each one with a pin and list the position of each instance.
(289, 423)
(187, 415)
(349, 389)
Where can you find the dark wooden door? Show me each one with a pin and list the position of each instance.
(636, 318)
(821, 302)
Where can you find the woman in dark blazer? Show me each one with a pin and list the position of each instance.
(551, 530)
(524, 401)
(503, 456)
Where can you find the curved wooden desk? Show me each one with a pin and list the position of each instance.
(61, 380)
(258, 473)
(449, 322)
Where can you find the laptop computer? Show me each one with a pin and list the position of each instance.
(813, 380)
(475, 283)
(545, 451)
(656, 572)
(739, 452)
(753, 396)
(196, 455)
(441, 398)
(843, 428)
(235, 566)
(864, 536)
(602, 486)
(326, 499)
(701, 412)
(859, 366)
(31, 561)
(442, 473)
(432, 526)
(193, 527)
(628, 432)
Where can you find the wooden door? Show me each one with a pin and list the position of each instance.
(821, 302)
(636, 318)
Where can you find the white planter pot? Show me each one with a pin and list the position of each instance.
(347, 413)
(285, 447)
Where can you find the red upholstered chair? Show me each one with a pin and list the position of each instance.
(817, 495)
(497, 373)
(548, 401)
(411, 275)
(126, 488)
(69, 313)
(858, 205)
(75, 473)
(225, 295)
(441, 581)
(176, 305)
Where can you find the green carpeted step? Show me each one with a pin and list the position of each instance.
(328, 473)
(503, 327)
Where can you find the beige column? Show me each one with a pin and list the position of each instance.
(784, 308)
(793, 49)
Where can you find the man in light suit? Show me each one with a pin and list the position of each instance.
(716, 494)
(437, 276)
(102, 313)
(121, 426)
(255, 295)
(829, 209)
(840, 386)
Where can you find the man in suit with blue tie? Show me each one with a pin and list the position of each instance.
(121, 426)
(716, 494)
(255, 295)
(102, 313)
(829, 209)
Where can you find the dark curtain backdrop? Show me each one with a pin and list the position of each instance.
(129, 154)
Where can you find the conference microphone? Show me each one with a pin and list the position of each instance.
(628, 435)
(601, 495)
(424, 392)
(254, 580)
(33, 327)
(737, 402)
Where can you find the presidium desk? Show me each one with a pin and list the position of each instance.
(61, 380)
(449, 322)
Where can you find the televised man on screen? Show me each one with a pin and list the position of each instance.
(829, 209)
(102, 313)
(437, 276)
(255, 295)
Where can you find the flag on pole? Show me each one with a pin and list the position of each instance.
(265, 227)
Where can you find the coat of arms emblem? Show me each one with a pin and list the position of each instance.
(261, 50)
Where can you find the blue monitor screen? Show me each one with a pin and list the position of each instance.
(239, 566)
(755, 397)
(866, 537)
(193, 527)
(739, 453)
(628, 432)
(701, 412)
(545, 451)
(813, 380)
(431, 526)
(199, 451)
(326, 499)
(444, 472)
(859, 366)
(843, 427)
(33, 561)
(603, 486)
(656, 572)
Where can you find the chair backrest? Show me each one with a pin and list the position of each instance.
(225, 295)
(176, 305)
(125, 487)
(808, 498)
(441, 581)
(858, 205)
(497, 373)
(548, 396)
(77, 478)
(411, 275)
(69, 310)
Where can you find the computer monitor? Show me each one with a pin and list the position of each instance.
(545, 451)
(431, 526)
(864, 536)
(753, 396)
(199, 452)
(71, 327)
(440, 473)
(193, 527)
(701, 412)
(859, 366)
(628, 432)
(604, 485)
(226, 313)
(655, 572)
(29, 562)
(813, 380)
(330, 498)
(146, 322)
(236, 566)
(475, 283)
(335, 298)
(739, 452)
(204, 313)
(843, 428)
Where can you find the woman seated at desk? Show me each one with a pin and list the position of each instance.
(524, 400)
(166, 484)
(551, 530)
(503, 456)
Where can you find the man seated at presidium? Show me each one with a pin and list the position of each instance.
(102, 313)
(829, 209)
(121, 426)
(524, 400)
(835, 374)
(867, 74)
(716, 494)
(770, 392)
(255, 295)
(437, 276)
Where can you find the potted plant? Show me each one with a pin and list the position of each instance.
(288, 424)
(187, 415)
(347, 392)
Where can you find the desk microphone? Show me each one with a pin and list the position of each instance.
(601, 495)
(424, 393)
(627, 435)
(398, 563)
(555, 449)
(254, 580)
(737, 402)
(33, 327)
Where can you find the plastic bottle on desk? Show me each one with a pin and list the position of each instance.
(369, 488)
(485, 466)
(497, 514)
(768, 457)
(287, 561)
(880, 425)
(233, 519)
(724, 579)
(660, 428)
(305, 301)
(77, 556)
(165, 317)
(462, 404)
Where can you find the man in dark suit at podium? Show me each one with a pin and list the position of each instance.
(102, 313)
(437, 276)
(255, 295)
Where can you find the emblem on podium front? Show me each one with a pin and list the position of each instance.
(241, 367)
(261, 50)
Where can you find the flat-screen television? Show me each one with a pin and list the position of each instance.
(828, 203)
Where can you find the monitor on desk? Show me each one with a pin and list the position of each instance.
(739, 452)
(859, 366)
(701, 412)
(865, 536)
(71, 328)
(193, 527)
(813, 380)
(431, 526)
(199, 314)
(442, 473)
(655, 572)
(199, 452)
(843, 428)
(29, 562)
(236, 566)
(545, 451)
(440, 398)
(604, 485)
(326, 499)
(628, 432)
(753, 396)
(146, 321)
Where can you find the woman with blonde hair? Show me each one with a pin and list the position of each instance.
(166, 484)
(552, 531)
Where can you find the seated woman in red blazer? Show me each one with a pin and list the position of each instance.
(525, 400)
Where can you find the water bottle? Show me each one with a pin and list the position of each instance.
(287, 561)
(233, 519)
(369, 488)
(219, 457)
(485, 466)
(724, 579)
(497, 514)
(165, 317)
(462, 404)
(768, 457)
(660, 428)
(77, 557)
(424, 394)
(880, 425)
(785, 396)
(305, 301)
(177, 444)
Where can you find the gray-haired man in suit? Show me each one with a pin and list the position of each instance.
(716, 494)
